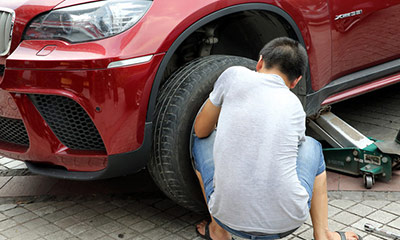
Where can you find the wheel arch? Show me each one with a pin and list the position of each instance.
(204, 21)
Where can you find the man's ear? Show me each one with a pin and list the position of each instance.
(294, 83)
(259, 65)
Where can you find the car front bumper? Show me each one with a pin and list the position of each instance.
(72, 122)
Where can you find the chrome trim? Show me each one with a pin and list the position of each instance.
(131, 61)
(350, 14)
(7, 19)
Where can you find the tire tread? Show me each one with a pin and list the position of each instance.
(171, 104)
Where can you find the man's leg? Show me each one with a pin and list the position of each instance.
(319, 212)
(312, 175)
(204, 163)
(216, 231)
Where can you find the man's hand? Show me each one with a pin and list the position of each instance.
(207, 119)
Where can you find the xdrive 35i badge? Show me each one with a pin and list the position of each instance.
(350, 14)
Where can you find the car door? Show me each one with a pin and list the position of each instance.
(364, 34)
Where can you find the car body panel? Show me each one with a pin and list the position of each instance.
(120, 93)
(363, 40)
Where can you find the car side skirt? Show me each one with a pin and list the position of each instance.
(335, 91)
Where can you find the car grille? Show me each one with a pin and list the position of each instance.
(13, 131)
(2, 70)
(7, 18)
(69, 122)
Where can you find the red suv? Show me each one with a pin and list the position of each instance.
(97, 89)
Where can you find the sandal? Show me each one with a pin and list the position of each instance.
(206, 232)
(343, 236)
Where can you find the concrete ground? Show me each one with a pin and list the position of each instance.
(37, 207)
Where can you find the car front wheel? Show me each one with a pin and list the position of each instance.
(178, 103)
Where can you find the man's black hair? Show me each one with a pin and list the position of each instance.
(286, 54)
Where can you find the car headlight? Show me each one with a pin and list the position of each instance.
(86, 22)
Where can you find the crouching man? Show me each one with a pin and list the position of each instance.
(261, 176)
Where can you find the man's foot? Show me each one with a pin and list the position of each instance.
(211, 230)
(344, 236)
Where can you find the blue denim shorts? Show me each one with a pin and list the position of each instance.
(310, 163)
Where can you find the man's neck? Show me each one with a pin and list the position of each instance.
(276, 72)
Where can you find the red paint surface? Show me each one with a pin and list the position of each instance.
(121, 93)
(364, 40)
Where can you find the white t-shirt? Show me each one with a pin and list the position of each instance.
(260, 127)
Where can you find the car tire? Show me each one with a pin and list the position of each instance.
(178, 103)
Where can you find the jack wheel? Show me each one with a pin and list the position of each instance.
(368, 181)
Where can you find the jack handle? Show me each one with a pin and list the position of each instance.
(372, 229)
(369, 228)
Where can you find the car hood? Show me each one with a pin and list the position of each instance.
(30, 6)
(33, 7)
(45, 4)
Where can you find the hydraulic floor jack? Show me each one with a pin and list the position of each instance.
(353, 153)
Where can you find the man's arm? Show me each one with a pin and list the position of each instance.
(206, 120)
